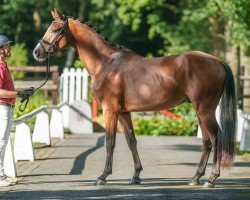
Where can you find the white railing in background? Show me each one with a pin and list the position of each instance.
(245, 135)
(242, 132)
(73, 97)
(74, 85)
(43, 131)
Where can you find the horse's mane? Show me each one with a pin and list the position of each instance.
(96, 30)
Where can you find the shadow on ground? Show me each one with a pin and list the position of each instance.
(149, 189)
(79, 163)
(195, 148)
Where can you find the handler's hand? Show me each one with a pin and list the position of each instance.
(25, 94)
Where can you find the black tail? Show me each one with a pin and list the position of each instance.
(228, 121)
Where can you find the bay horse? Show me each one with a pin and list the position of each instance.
(124, 81)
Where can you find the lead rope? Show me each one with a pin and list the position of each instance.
(24, 101)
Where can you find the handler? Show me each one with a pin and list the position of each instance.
(8, 96)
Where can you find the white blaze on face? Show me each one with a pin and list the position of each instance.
(37, 53)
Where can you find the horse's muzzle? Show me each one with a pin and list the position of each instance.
(39, 54)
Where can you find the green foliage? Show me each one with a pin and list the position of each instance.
(18, 58)
(185, 110)
(165, 126)
(78, 64)
(149, 27)
(35, 101)
(166, 21)
(158, 125)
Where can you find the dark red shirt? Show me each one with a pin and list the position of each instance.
(6, 82)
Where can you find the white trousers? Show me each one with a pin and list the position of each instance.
(6, 116)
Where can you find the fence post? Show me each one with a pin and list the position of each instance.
(85, 84)
(41, 130)
(245, 140)
(80, 118)
(78, 83)
(65, 81)
(23, 147)
(72, 85)
(240, 126)
(56, 124)
(65, 113)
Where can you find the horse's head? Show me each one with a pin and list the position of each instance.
(54, 39)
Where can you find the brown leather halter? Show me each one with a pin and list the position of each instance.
(52, 45)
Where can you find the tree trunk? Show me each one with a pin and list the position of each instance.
(218, 37)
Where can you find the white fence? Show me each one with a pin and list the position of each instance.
(73, 85)
(243, 129)
(74, 90)
(43, 132)
(73, 96)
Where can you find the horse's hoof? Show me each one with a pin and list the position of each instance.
(208, 185)
(194, 183)
(135, 181)
(100, 182)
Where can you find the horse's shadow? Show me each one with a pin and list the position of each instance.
(151, 188)
(79, 163)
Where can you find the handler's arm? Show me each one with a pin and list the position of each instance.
(8, 94)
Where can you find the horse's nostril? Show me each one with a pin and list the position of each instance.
(36, 52)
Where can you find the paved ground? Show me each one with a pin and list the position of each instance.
(68, 169)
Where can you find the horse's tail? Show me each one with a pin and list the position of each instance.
(228, 121)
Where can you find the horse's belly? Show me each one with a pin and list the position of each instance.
(154, 102)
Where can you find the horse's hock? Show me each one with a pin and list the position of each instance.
(51, 85)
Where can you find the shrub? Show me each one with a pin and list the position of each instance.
(156, 125)
(18, 58)
(35, 102)
(78, 64)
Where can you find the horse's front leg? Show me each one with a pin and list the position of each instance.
(127, 126)
(111, 118)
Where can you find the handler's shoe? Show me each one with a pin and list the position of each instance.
(7, 181)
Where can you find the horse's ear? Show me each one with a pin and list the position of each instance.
(56, 15)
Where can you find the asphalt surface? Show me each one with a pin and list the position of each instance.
(68, 169)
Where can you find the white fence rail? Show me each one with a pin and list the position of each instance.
(43, 131)
(73, 96)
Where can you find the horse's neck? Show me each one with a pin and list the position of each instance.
(92, 48)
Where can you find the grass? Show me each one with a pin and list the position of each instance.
(38, 145)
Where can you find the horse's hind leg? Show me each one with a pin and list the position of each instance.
(209, 121)
(127, 126)
(206, 149)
